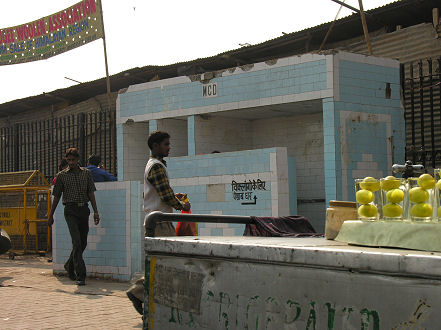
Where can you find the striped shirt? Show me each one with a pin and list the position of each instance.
(74, 184)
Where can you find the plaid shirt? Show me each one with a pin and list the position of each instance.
(74, 184)
(158, 178)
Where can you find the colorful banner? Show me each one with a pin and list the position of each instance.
(52, 35)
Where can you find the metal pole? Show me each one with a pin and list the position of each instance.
(156, 216)
(365, 29)
(412, 112)
(81, 138)
(432, 121)
(16, 147)
(423, 144)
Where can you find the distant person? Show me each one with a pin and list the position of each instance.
(76, 185)
(158, 196)
(63, 164)
(99, 175)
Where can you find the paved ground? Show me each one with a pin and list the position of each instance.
(31, 297)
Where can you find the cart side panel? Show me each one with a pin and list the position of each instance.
(193, 293)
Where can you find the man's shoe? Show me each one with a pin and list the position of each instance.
(70, 273)
(81, 282)
(136, 303)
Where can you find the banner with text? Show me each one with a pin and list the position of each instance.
(52, 35)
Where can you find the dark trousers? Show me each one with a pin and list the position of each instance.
(77, 219)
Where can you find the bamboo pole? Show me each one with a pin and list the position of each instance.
(330, 28)
(365, 29)
(105, 59)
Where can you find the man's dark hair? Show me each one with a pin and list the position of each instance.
(157, 137)
(94, 160)
(62, 164)
(72, 152)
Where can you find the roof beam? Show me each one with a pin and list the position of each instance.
(347, 6)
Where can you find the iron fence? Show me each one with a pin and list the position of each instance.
(41, 144)
(421, 91)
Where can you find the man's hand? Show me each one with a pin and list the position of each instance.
(186, 207)
(96, 218)
(50, 221)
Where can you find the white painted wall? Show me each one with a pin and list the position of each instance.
(303, 137)
(136, 150)
(177, 128)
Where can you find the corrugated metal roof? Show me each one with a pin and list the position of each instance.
(405, 13)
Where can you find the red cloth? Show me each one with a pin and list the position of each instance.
(186, 228)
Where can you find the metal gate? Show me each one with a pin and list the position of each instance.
(41, 144)
(421, 90)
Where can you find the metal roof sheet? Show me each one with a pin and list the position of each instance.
(405, 13)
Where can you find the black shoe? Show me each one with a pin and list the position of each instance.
(136, 303)
(81, 282)
(70, 273)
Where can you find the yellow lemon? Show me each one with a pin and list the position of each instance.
(367, 211)
(392, 210)
(369, 183)
(364, 196)
(395, 195)
(439, 212)
(438, 184)
(418, 195)
(389, 183)
(426, 181)
(421, 210)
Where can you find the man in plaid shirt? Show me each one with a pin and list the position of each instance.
(76, 185)
(158, 196)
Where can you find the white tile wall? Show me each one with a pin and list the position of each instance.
(222, 134)
(177, 128)
(136, 150)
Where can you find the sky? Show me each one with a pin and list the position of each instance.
(157, 32)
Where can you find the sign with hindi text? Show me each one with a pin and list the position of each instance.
(52, 35)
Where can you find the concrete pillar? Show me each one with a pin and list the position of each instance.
(191, 136)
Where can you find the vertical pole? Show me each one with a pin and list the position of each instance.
(439, 92)
(403, 101)
(39, 147)
(16, 147)
(365, 29)
(101, 135)
(96, 133)
(105, 57)
(81, 133)
(90, 134)
(57, 145)
(432, 123)
(2, 150)
(105, 137)
(43, 149)
(423, 144)
(26, 229)
(412, 112)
